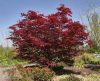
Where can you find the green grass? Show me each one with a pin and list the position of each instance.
(6, 57)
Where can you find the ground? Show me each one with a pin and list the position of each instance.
(3, 74)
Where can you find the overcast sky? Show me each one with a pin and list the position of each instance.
(10, 11)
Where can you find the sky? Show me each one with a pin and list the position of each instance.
(10, 11)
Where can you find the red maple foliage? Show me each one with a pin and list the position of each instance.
(47, 39)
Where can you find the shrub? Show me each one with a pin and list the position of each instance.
(18, 74)
(43, 74)
(32, 74)
(47, 39)
(78, 62)
(90, 58)
(95, 61)
(86, 58)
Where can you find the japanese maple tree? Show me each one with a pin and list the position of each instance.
(47, 39)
